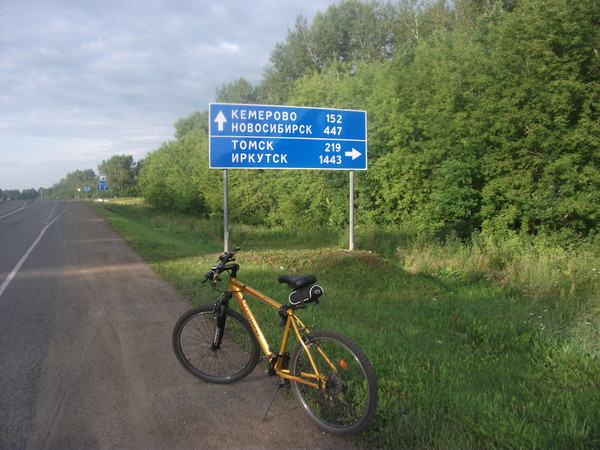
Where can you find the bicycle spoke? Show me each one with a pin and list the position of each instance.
(348, 399)
(193, 343)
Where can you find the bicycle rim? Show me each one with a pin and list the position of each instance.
(347, 402)
(193, 338)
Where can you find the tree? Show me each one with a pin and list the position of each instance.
(68, 186)
(29, 194)
(196, 120)
(347, 34)
(468, 12)
(121, 173)
(542, 109)
(239, 91)
(493, 126)
(176, 176)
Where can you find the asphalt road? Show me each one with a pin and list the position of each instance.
(85, 349)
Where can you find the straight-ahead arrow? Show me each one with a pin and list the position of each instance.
(220, 119)
(354, 153)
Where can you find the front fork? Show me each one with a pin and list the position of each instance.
(220, 313)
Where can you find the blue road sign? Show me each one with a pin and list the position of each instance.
(286, 137)
(102, 187)
(87, 189)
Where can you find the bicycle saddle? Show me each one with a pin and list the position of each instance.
(297, 282)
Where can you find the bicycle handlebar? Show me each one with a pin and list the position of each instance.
(222, 266)
(226, 257)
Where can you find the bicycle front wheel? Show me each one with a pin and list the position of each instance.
(235, 357)
(347, 401)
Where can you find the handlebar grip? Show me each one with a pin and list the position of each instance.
(226, 257)
(222, 266)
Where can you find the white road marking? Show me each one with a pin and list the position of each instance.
(12, 274)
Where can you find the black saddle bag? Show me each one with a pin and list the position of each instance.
(306, 294)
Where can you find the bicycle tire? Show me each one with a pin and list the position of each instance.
(192, 342)
(349, 399)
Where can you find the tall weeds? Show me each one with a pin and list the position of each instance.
(535, 270)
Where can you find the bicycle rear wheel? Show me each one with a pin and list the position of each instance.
(236, 356)
(347, 402)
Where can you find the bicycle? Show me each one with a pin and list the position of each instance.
(329, 374)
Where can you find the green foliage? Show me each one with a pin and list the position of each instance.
(542, 110)
(176, 176)
(493, 126)
(347, 34)
(25, 194)
(195, 121)
(68, 186)
(121, 175)
(310, 200)
(239, 91)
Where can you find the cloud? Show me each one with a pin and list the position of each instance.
(82, 80)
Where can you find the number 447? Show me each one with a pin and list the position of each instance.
(334, 131)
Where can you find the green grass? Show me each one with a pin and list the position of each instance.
(492, 343)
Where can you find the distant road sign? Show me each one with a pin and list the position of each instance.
(286, 137)
(87, 189)
(102, 187)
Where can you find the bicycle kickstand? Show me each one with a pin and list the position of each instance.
(280, 383)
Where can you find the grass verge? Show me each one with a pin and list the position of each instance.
(492, 343)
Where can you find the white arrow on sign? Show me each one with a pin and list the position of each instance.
(354, 153)
(220, 119)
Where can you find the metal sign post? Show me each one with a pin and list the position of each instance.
(351, 219)
(225, 211)
(286, 137)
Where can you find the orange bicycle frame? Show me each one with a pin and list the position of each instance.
(237, 289)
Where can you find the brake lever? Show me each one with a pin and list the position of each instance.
(209, 276)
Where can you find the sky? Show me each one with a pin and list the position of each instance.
(84, 80)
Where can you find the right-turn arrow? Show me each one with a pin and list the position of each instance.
(354, 153)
